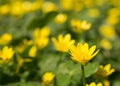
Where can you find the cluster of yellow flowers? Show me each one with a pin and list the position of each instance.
(82, 53)
(19, 7)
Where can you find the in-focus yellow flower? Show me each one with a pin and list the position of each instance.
(48, 7)
(79, 26)
(105, 71)
(6, 54)
(105, 44)
(32, 51)
(107, 31)
(94, 84)
(47, 78)
(5, 38)
(60, 18)
(81, 53)
(40, 37)
(63, 43)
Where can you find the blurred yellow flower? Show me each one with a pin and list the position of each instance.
(40, 37)
(22, 46)
(16, 8)
(66, 4)
(5, 38)
(81, 53)
(21, 61)
(47, 78)
(79, 26)
(32, 51)
(106, 82)
(63, 43)
(105, 44)
(88, 3)
(94, 13)
(6, 54)
(94, 84)
(105, 71)
(107, 31)
(4, 9)
(26, 6)
(60, 18)
(48, 7)
(77, 5)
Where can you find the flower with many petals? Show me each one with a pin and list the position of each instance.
(81, 53)
(80, 26)
(104, 71)
(47, 78)
(6, 54)
(63, 43)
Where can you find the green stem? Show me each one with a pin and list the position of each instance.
(83, 75)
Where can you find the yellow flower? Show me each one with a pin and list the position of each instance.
(104, 43)
(63, 43)
(22, 46)
(32, 51)
(93, 13)
(66, 4)
(16, 8)
(6, 54)
(81, 53)
(107, 31)
(48, 7)
(60, 18)
(40, 37)
(104, 71)
(5, 38)
(47, 78)
(94, 84)
(79, 26)
(77, 5)
(21, 61)
(106, 82)
(4, 9)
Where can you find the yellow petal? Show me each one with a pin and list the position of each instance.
(92, 49)
(94, 53)
(107, 67)
(93, 84)
(67, 37)
(60, 38)
(111, 71)
(86, 47)
(99, 84)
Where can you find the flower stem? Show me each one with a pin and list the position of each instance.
(83, 75)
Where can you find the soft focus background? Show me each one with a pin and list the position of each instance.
(27, 51)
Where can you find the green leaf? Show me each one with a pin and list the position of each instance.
(91, 68)
(42, 21)
(116, 83)
(48, 63)
(63, 79)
